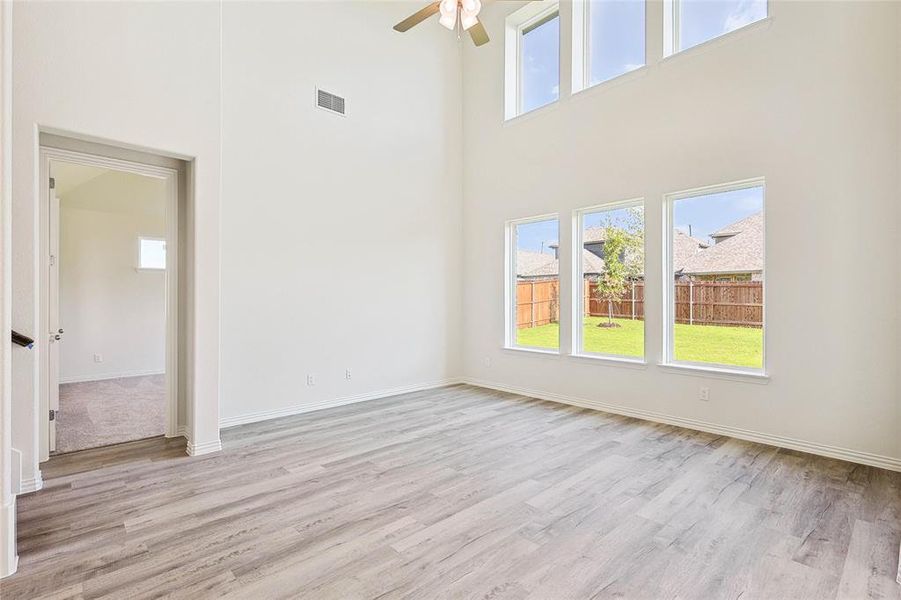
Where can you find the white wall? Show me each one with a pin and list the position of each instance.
(107, 305)
(808, 99)
(147, 75)
(340, 235)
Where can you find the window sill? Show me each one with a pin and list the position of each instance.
(527, 116)
(612, 361)
(536, 351)
(607, 84)
(715, 372)
(723, 38)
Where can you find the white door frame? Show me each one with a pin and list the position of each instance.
(170, 176)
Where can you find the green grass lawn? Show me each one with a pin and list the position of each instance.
(737, 346)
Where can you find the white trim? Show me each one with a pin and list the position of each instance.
(578, 282)
(204, 448)
(35, 484)
(170, 177)
(9, 560)
(297, 409)
(510, 281)
(108, 376)
(847, 454)
(669, 280)
(703, 370)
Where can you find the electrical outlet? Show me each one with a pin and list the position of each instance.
(98, 358)
(487, 361)
(311, 380)
(347, 374)
(704, 394)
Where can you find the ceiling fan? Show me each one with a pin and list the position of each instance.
(453, 12)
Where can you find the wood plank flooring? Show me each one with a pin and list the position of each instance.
(458, 493)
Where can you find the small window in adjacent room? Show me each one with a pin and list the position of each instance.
(532, 58)
(715, 277)
(608, 40)
(151, 253)
(533, 309)
(693, 22)
(609, 292)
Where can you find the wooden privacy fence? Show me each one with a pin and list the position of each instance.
(738, 303)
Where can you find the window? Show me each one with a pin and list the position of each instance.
(532, 58)
(609, 282)
(533, 319)
(715, 277)
(608, 40)
(692, 22)
(151, 253)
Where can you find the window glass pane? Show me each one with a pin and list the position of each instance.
(702, 20)
(540, 75)
(717, 248)
(613, 282)
(152, 254)
(615, 38)
(537, 297)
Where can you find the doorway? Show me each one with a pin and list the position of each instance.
(109, 303)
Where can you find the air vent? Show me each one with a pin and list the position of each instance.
(329, 101)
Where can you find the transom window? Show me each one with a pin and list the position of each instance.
(688, 23)
(532, 58)
(608, 40)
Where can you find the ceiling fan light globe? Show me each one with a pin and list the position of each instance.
(449, 20)
(447, 7)
(472, 7)
(468, 19)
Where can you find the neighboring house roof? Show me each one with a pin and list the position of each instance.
(593, 235)
(536, 264)
(740, 253)
(685, 248)
(755, 220)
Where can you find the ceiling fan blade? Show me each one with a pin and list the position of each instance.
(417, 17)
(478, 34)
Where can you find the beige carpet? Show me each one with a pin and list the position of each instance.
(100, 413)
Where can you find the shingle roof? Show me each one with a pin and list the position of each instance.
(536, 264)
(741, 253)
(737, 227)
(685, 248)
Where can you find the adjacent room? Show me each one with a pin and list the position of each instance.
(353, 299)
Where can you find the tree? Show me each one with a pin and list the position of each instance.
(623, 258)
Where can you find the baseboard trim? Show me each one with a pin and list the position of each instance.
(28, 486)
(108, 376)
(846, 454)
(203, 448)
(298, 409)
(9, 560)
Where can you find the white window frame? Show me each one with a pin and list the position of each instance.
(672, 30)
(150, 238)
(581, 47)
(578, 275)
(516, 23)
(669, 281)
(510, 284)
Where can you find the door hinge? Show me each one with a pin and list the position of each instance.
(52, 259)
(52, 183)
(53, 415)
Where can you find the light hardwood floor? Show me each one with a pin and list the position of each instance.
(455, 493)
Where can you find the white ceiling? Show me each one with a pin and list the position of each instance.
(69, 176)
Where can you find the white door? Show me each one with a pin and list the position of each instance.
(56, 331)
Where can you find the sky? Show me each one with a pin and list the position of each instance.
(618, 39)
